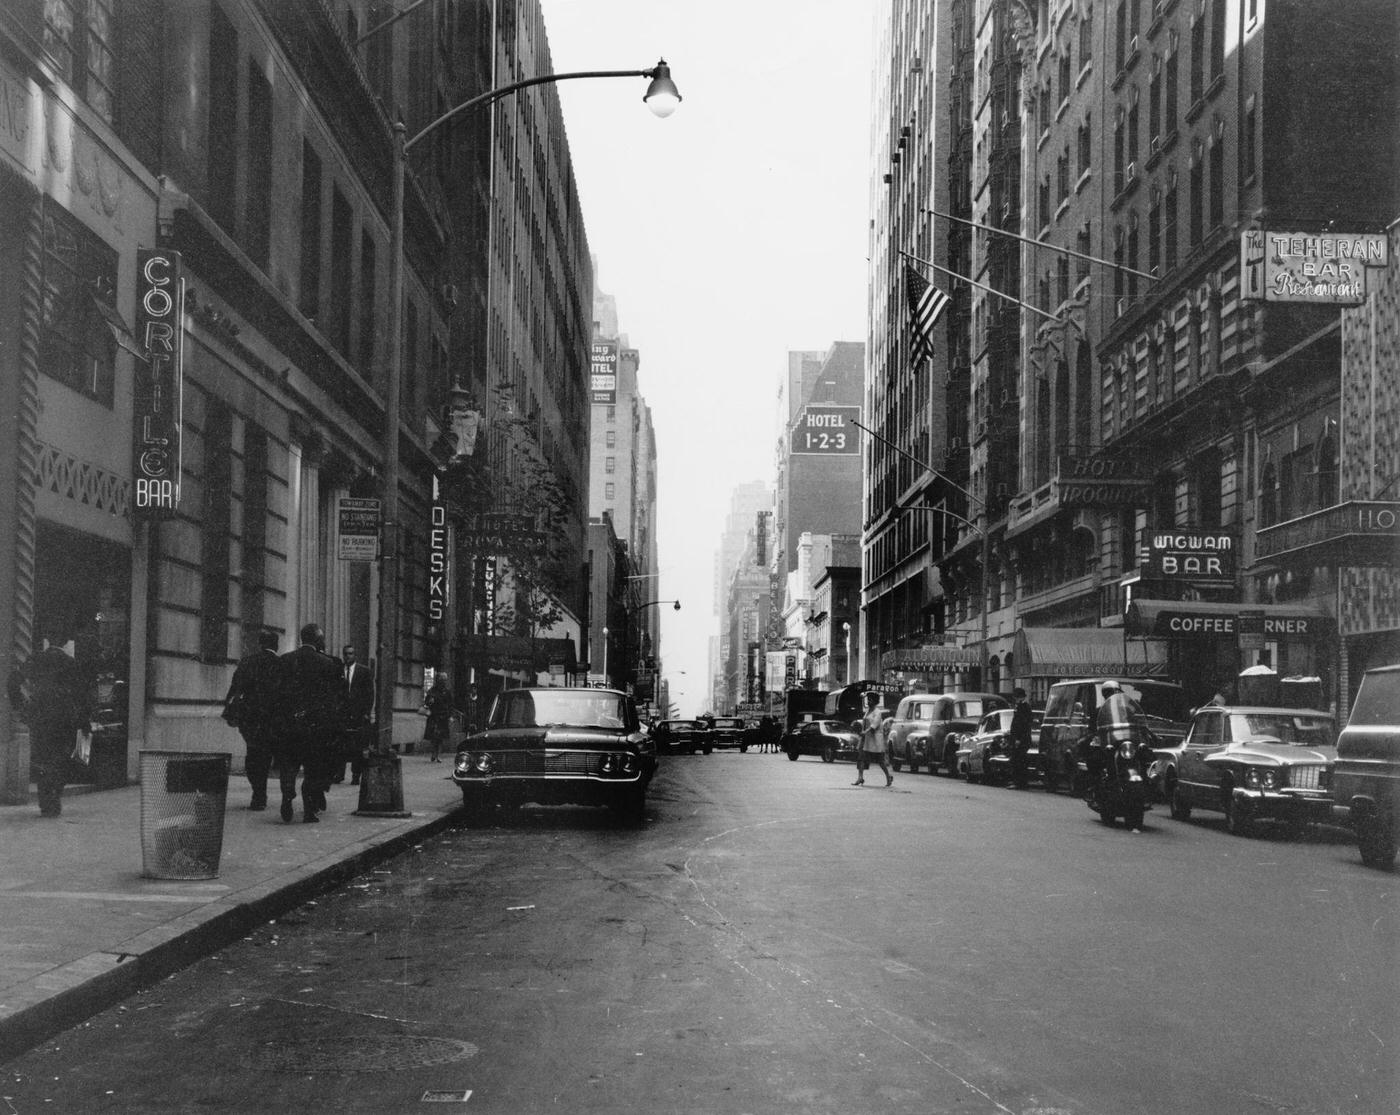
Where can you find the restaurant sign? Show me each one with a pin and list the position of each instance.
(1326, 267)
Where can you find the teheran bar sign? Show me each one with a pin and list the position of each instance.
(1103, 482)
(1325, 267)
(158, 396)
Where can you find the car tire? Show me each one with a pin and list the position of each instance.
(950, 761)
(1375, 839)
(894, 764)
(743, 748)
(792, 755)
(1180, 806)
(828, 754)
(708, 750)
(1239, 821)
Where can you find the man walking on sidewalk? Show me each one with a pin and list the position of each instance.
(311, 712)
(51, 696)
(359, 695)
(251, 708)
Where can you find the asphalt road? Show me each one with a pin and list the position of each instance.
(774, 939)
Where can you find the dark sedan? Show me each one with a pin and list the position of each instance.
(829, 739)
(557, 745)
(682, 737)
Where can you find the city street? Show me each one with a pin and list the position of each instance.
(775, 939)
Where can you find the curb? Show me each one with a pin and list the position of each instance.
(66, 996)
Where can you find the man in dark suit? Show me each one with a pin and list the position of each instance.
(51, 695)
(359, 689)
(311, 714)
(251, 707)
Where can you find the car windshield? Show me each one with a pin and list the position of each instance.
(723, 722)
(682, 725)
(1378, 702)
(969, 709)
(1306, 731)
(555, 708)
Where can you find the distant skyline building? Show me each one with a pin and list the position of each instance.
(745, 504)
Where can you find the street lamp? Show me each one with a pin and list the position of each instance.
(662, 98)
(847, 627)
(605, 656)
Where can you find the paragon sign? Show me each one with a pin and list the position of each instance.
(1325, 267)
(158, 398)
(826, 430)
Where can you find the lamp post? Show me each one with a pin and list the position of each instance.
(629, 613)
(847, 626)
(605, 656)
(662, 98)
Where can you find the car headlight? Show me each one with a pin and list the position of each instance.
(482, 763)
(1261, 778)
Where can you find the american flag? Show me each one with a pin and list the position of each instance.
(926, 302)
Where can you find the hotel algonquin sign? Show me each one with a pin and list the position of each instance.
(158, 402)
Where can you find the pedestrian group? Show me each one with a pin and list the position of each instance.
(305, 713)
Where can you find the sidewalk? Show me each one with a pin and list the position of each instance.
(80, 929)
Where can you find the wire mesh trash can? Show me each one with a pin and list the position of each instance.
(183, 795)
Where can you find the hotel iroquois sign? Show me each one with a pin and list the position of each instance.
(159, 381)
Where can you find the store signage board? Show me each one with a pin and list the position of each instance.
(1198, 557)
(826, 430)
(603, 378)
(438, 549)
(158, 392)
(357, 529)
(1319, 267)
(1103, 481)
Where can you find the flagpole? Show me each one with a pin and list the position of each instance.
(989, 290)
(1045, 244)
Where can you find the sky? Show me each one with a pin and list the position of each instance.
(731, 233)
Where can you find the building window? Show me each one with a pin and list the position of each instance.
(258, 225)
(611, 437)
(1085, 245)
(76, 347)
(1062, 175)
(1170, 96)
(1327, 466)
(1120, 35)
(223, 118)
(1217, 180)
(1044, 200)
(1133, 256)
(1198, 58)
(1268, 495)
(609, 464)
(1132, 127)
(612, 417)
(1066, 76)
(78, 34)
(1086, 37)
(1119, 241)
(368, 332)
(610, 490)
(1217, 38)
(1249, 140)
(1169, 253)
(309, 301)
(1119, 138)
(1154, 232)
(342, 241)
(1198, 165)
(1086, 146)
(1154, 102)
(1062, 278)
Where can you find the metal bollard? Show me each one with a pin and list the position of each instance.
(381, 786)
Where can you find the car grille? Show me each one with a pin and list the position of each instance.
(1306, 777)
(566, 763)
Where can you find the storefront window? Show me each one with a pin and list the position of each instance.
(77, 347)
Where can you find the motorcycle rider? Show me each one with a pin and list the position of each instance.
(1119, 718)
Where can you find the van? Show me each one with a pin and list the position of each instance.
(1071, 710)
(1366, 778)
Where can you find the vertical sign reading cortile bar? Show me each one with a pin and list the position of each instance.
(158, 397)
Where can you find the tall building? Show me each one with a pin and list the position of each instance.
(622, 488)
(183, 460)
(1172, 393)
(738, 550)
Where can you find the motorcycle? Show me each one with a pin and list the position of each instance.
(1119, 787)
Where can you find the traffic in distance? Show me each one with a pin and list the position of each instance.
(1263, 755)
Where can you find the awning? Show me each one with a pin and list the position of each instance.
(1197, 619)
(929, 660)
(1063, 652)
(1355, 533)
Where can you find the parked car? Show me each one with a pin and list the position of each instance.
(1252, 763)
(985, 755)
(927, 737)
(1366, 780)
(728, 731)
(1071, 710)
(677, 737)
(557, 745)
(829, 739)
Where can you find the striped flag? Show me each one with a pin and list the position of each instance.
(926, 302)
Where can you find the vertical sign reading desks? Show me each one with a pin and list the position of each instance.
(159, 381)
(437, 558)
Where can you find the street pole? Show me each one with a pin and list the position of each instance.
(662, 98)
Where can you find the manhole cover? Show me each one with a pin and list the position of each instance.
(377, 1054)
